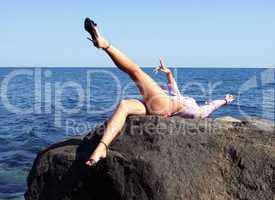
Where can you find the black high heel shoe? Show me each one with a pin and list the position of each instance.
(92, 162)
(89, 27)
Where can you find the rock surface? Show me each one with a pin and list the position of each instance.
(162, 159)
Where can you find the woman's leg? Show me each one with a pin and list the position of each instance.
(115, 124)
(155, 98)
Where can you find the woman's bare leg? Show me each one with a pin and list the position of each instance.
(157, 102)
(115, 124)
(155, 98)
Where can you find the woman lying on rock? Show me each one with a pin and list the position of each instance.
(156, 101)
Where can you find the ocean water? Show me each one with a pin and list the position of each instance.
(41, 106)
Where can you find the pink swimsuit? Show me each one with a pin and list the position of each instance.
(190, 107)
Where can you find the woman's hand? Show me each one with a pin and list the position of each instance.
(162, 68)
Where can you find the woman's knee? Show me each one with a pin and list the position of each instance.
(132, 106)
(123, 105)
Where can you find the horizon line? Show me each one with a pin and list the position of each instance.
(175, 66)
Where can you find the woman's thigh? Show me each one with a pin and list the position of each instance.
(133, 107)
(155, 99)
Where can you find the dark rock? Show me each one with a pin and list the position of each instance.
(162, 158)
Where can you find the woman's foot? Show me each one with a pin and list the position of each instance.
(99, 153)
(98, 41)
(229, 98)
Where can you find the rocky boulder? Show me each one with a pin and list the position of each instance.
(160, 158)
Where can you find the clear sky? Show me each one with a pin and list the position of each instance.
(183, 32)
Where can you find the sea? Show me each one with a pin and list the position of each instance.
(41, 106)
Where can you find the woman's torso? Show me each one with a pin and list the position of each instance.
(190, 108)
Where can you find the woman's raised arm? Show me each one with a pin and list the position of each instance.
(171, 82)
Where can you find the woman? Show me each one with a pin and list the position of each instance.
(156, 101)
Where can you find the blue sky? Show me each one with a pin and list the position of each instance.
(185, 33)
